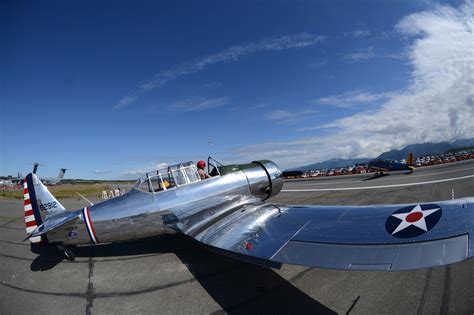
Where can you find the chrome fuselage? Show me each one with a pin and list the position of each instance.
(186, 209)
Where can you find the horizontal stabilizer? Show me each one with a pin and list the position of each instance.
(55, 222)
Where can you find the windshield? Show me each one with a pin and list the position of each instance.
(169, 177)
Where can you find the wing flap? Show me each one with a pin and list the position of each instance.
(375, 257)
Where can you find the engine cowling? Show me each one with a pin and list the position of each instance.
(264, 177)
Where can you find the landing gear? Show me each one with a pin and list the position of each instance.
(67, 252)
(379, 174)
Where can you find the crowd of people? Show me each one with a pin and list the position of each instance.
(112, 193)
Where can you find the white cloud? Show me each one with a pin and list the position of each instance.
(139, 172)
(101, 172)
(230, 54)
(125, 101)
(352, 98)
(284, 116)
(359, 55)
(397, 56)
(198, 104)
(360, 33)
(437, 105)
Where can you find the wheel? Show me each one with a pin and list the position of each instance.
(69, 254)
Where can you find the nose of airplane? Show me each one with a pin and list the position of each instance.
(275, 176)
(264, 177)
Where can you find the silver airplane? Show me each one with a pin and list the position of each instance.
(228, 214)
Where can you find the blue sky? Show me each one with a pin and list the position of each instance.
(114, 89)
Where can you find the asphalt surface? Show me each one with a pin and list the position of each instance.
(172, 274)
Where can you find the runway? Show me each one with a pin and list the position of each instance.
(172, 274)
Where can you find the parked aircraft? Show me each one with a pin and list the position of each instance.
(228, 214)
(16, 180)
(6, 183)
(54, 180)
(50, 180)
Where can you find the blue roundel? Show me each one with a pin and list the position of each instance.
(413, 221)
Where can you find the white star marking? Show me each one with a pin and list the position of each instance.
(418, 222)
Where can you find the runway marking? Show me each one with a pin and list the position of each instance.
(378, 187)
(78, 261)
(2, 218)
(90, 288)
(100, 295)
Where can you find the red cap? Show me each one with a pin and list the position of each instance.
(201, 164)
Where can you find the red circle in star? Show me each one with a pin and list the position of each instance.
(413, 217)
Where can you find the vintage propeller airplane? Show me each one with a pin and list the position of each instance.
(381, 166)
(228, 213)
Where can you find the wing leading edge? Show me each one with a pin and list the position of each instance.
(390, 237)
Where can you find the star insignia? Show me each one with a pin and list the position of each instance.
(413, 221)
(415, 217)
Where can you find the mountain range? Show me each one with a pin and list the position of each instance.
(425, 149)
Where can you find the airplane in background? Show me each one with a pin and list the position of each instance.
(227, 213)
(16, 180)
(381, 166)
(46, 180)
(50, 180)
(54, 180)
(290, 174)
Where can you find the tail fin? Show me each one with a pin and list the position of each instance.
(410, 160)
(35, 168)
(39, 205)
(62, 171)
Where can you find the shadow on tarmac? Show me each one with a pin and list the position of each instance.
(376, 177)
(385, 174)
(238, 287)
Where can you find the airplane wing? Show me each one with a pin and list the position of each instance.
(389, 237)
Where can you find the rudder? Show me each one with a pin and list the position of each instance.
(62, 172)
(410, 159)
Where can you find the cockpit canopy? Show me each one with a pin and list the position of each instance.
(169, 177)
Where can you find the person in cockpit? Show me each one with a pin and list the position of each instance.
(202, 173)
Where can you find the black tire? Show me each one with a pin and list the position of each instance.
(69, 254)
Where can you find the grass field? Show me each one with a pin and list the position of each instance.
(62, 191)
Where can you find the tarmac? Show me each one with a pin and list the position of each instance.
(172, 274)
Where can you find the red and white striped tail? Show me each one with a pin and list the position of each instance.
(30, 220)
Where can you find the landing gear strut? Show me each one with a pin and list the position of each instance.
(67, 252)
(379, 174)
